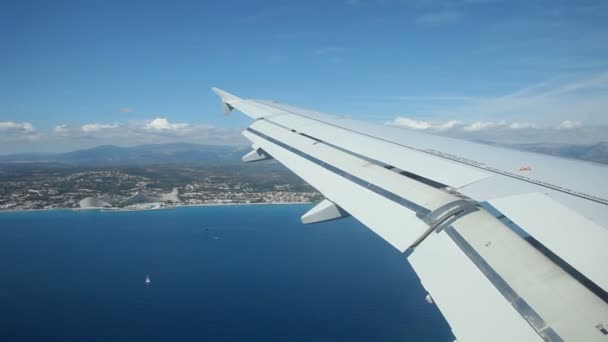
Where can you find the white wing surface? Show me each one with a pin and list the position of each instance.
(512, 246)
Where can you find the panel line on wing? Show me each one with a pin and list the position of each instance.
(525, 310)
(420, 211)
(404, 173)
(563, 264)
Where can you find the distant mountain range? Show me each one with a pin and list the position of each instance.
(595, 153)
(182, 153)
(175, 153)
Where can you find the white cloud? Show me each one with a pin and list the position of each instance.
(458, 125)
(65, 137)
(410, 123)
(510, 132)
(61, 129)
(484, 125)
(96, 127)
(449, 125)
(162, 124)
(521, 125)
(568, 124)
(15, 127)
(14, 133)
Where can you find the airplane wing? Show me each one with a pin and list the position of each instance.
(510, 245)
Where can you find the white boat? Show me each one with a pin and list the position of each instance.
(147, 279)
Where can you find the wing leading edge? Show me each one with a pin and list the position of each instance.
(490, 277)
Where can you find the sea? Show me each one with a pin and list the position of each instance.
(216, 273)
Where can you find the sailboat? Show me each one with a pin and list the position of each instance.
(147, 279)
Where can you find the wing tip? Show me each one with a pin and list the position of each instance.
(226, 98)
(224, 95)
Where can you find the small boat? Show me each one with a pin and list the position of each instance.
(147, 279)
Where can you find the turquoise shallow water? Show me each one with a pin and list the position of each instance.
(225, 273)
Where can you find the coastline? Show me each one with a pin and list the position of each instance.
(173, 206)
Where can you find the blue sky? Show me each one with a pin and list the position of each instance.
(77, 74)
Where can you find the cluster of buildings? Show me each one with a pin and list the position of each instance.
(211, 191)
(116, 189)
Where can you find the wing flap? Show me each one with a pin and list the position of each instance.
(353, 165)
(576, 239)
(394, 223)
(469, 302)
(552, 302)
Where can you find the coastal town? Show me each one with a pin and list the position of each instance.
(116, 189)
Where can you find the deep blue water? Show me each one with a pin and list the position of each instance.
(226, 273)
